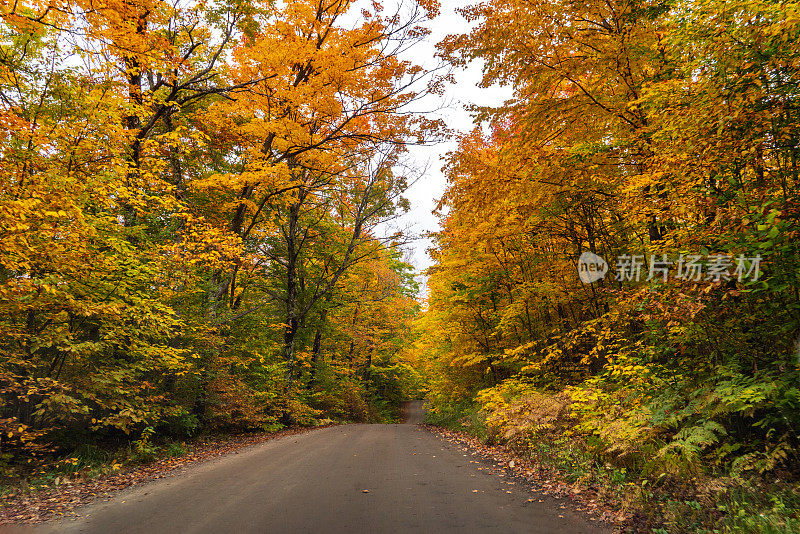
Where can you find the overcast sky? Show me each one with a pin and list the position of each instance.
(426, 192)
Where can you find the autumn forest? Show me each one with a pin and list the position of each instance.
(198, 236)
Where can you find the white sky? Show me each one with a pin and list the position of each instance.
(426, 192)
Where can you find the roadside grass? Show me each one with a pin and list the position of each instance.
(461, 417)
(654, 503)
(88, 462)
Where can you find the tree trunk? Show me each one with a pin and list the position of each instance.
(292, 319)
(315, 357)
(368, 368)
(132, 122)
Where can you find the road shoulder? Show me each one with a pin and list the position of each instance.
(503, 462)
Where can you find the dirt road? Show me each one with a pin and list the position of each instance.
(345, 479)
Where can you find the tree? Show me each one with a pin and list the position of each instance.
(318, 134)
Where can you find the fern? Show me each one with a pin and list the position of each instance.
(690, 441)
